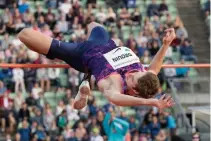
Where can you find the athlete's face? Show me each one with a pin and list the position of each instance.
(132, 80)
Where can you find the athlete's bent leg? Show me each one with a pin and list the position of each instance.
(35, 40)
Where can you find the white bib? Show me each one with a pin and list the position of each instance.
(121, 57)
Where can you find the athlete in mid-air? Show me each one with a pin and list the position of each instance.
(119, 74)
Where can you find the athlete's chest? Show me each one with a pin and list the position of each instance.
(113, 81)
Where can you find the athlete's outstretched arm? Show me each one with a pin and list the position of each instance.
(126, 100)
(157, 61)
(35, 40)
(114, 96)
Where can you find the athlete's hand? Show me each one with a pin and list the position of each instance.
(169, 36)
(164, 102)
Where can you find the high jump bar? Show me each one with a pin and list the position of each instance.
(4, 65)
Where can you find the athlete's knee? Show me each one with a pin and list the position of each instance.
(24, 33)
(93, 25)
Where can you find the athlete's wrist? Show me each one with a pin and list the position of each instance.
(166, 45)
(150, 102)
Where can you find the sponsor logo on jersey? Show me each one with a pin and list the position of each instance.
(121, 57)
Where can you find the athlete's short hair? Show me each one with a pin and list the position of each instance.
(147, 85)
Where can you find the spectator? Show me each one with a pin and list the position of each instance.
(115, 128)
(116, 39)
(60, 107)
(40, 134)
(53, 74)
(146, 59)
(66, 99)
(136, 17)
(18, 101)
(80, 131)
(100, 118)
(130, 3)
(93, 108)
(17, 137)
(162, 119)
(143, 129)
(6, 15)
(62, 121)
(142, 39)
(207, 6)
(33, 127)
(156, 22)
(91, 2)
(101, 16)
(50, 18)
(5, 42)
(161, 136)
(62, 25)
(38, 117)
(9, 120)
(38, 12)
(181, 32)
(65, 6)
(95, 135)
(8, 137)
(2, 27)
(154, 49)
(132, 126)
(30, 101)
(163, 8)
(68, 133)
(41, 22)
(196, 137)
(24, 131)
(130, 40)
(92, 124)
(171, 123)
(36, 90)
(3, 89)
(79, 31)
(24, 113)
(70, 16)
(10, 26)
(152, 9)
(46, 30)
(53, 131)
(154, 127)
(29, 75)
(5, 100)
(42, 76)
(28, 18)
(124, 16)
(123, 116)
(18, 75)
(111, 16)
(48, 119)
(74, 80)
(23, 7)
(186, 51)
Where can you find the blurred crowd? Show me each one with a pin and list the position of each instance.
(31, 118)
(206, 13)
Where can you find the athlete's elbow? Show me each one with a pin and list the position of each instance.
(112, 98)
(24, 34)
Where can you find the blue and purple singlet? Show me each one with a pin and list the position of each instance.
(99, 54)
